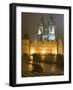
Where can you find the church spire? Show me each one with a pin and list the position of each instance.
(51, 19)
(51, 28)
(42, 20)
(41, 27)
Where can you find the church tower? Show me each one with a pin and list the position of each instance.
(45, 33)
(41, 28)
(51, 29)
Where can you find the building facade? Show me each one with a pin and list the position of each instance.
(46, 41)
(46, 32)
(25, 47)
(60, 47)
(44, 47)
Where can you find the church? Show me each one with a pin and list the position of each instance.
(46, 32)
(45, 43)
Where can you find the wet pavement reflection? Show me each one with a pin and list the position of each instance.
(32, 68)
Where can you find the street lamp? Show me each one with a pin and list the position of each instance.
(32, 51)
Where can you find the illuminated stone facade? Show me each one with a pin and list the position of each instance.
(25, 46)
(46, 32)
(60, 47)
(46, 42)
(43, 47)
(46, 47)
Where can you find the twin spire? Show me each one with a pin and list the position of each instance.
(46, 32)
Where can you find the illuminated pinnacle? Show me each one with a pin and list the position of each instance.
(39, 32)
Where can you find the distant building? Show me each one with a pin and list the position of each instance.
(40, 30)
(47, 47)
(46, 43)
(60, 47)
(46, 32)
(25, 44)
(51, 28)
(44, 47)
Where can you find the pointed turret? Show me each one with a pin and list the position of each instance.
(51, 29)
(41, 27)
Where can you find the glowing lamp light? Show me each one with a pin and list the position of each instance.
(32, 51)
(39, 32)
(43, 51)
(55, 52)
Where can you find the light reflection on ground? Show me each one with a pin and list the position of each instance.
(32, 68)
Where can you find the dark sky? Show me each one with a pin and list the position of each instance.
(31, 21)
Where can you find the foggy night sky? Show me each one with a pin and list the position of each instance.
(31, 21)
